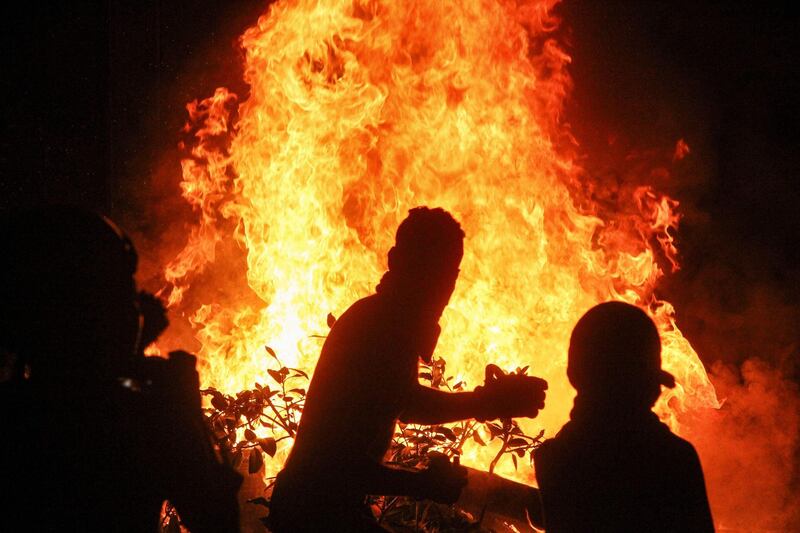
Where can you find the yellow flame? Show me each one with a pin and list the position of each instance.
(360, 110)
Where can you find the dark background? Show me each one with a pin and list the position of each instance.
(94, 98)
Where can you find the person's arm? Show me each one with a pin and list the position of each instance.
(501, 396)
(198, 483)
(430, 406)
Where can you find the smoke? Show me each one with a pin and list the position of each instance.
(738, 312)
(748, 448)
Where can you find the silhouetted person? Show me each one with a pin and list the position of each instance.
(366, 379)
(614, 466)
(95, 435)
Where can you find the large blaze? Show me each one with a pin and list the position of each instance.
(360, 110)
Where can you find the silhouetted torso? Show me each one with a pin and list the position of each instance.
(607, 472)
(356, 396)
(366, 369)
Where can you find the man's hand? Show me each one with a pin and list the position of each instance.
(510, 395)
(443, 481)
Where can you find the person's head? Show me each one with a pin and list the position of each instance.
(69, 300)
(615, 356)
(423, 263)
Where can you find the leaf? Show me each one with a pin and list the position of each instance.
(426, 375)
(300, 391)
(514, 458)
(331, 320)
(269, 446)
(244, 395)
(271, 352)
(255, 462)
(219, 402)
(260, 501)
(477, 438)
(277, 376)
(250, 435)
(299, 372)
(517, 441)
(446, 432)
(494, 429)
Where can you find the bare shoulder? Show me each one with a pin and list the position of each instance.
(360, 311)
(357, 323)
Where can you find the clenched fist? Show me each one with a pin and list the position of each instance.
(510, 395)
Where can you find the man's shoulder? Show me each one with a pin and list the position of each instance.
(365, 315)
(356, 330)
(366, 305)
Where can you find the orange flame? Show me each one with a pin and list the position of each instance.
(360, 110)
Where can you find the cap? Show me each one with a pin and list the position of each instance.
(616, 344)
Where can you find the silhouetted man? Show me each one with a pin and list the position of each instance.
(95, 435)
(614, 466)
(366, 379)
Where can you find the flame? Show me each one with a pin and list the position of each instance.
(360, 110)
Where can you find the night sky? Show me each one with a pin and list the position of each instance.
(94, 98)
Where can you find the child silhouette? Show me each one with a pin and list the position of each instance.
(614, 466)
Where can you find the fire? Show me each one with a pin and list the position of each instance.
(361, 109)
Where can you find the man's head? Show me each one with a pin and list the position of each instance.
(615, 356)
(424, 261)
(69, 298)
